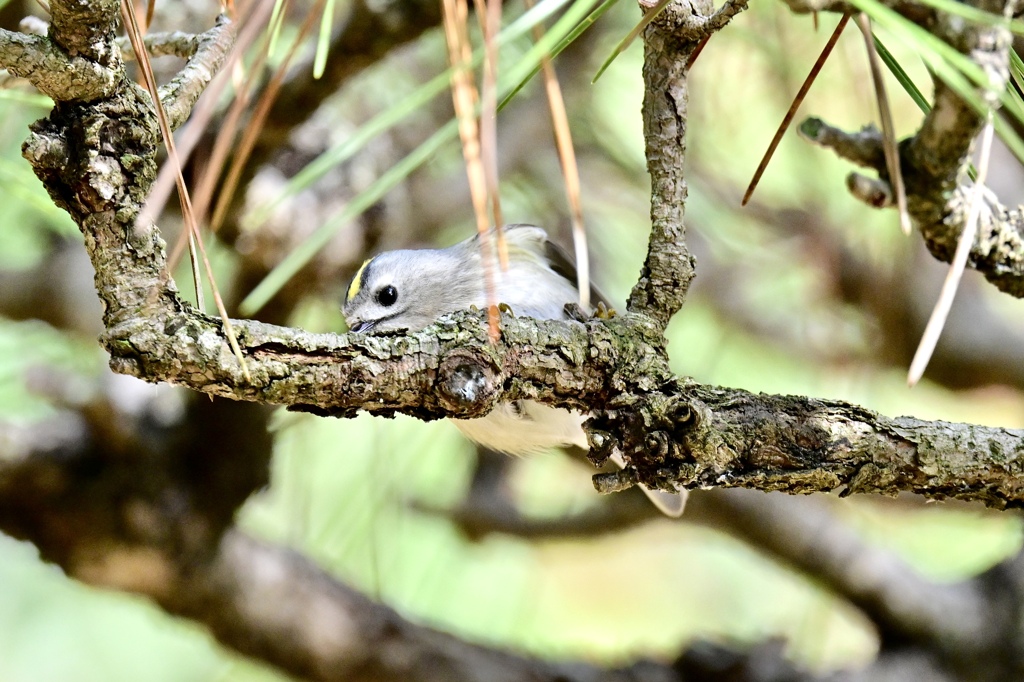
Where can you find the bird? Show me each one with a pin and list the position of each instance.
(409, 289)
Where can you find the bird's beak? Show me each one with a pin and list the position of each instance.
(360, 327)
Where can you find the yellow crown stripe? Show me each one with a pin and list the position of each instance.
(357, 281)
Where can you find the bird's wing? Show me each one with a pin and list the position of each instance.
(563, 264)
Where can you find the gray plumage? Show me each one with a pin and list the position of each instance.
(410, 289)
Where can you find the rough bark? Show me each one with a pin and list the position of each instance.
(134, 518)
(97, 161)
(118, 503)
(95, 154)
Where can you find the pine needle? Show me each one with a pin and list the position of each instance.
(570, 169)
(225, 139)
(797, 101)
(190, 133)
(464, 97)
(252, 131)
(150, 11)
(890, 143)
(136, 38)
(323, 42)
(940, 313)
(489, 13)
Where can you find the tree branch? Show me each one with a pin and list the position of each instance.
(322, 630)
(160, 44)
(798, 444)
(181, 93)
(902, 604)
(669, 43)
(669, 268)
(669, 431)
(933, 159)
(51, 70)
(87, 29)
(170, 44)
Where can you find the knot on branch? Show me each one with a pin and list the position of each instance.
(469, 382)
(650, 438)
(95, 156)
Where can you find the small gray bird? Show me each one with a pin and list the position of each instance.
(410, 289)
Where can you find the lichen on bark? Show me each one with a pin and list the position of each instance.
(97, 160)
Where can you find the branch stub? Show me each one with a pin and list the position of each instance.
(469, 382)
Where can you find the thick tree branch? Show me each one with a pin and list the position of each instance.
(86, 29)
(668, 270)
(51, 70)
(671, 432)
(759, 441)
(706, 437)
(323, 630)
(699, 435)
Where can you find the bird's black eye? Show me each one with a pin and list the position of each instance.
(387, 296)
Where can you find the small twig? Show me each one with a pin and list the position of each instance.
(251, 134)
(175, 43)
(863, 148)
(874, 192)
(178, 97)
(724, 14)
(128, 17)
(614, 481)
